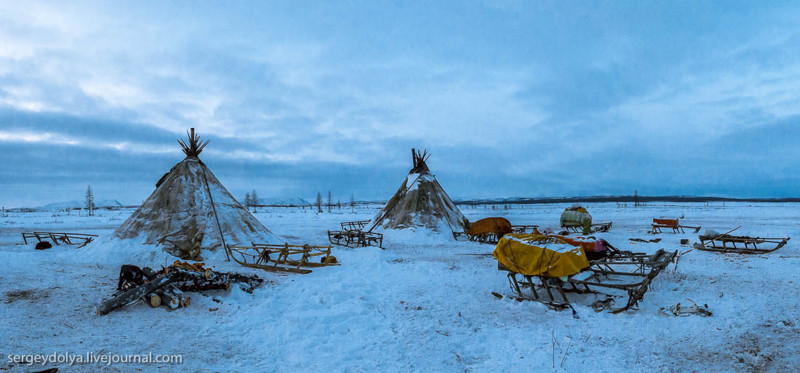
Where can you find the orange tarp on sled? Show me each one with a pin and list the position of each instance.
(668, 223)
(498, 226)
(585, 245)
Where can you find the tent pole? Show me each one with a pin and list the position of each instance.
(216, 217)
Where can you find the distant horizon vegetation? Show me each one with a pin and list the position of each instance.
(463, 202)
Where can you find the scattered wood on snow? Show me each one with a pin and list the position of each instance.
(167, 286)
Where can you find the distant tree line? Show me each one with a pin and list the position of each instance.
(251, 200)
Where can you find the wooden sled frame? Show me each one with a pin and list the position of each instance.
(621, 270)
(289, 258)
(59, 238)
(488, 238)
(673, 224)
(599, 227)
(524, 229)
(353, 235)
(355, 238)
(357, 225)
(720, 244)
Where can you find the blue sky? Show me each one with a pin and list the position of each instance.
(512, 98)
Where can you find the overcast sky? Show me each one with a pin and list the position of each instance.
(512, 98)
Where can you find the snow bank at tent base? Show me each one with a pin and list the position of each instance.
(416, 236)
(112, 250)
(417, 307)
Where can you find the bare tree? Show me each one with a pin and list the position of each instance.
(247, 199)
(352, 202)
(329, 201)
(254, 199)
(90, 201)
(319, 202)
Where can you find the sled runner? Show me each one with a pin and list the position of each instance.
(563, 265)
(673, 224)
(488, 238)
(59, 238)
(726, 243)
(594, 228)
(525, 229)
(281, 258)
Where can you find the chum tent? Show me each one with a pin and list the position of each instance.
(191, 211)
(575, 216)
(420, 202)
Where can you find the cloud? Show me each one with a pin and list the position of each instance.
(511, 98)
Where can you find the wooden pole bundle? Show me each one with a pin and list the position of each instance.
(193, 146)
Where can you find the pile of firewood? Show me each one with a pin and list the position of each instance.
(167, 286)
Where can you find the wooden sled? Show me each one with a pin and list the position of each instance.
(487, 238)
(599, 227)
(355, 238)
(492, 238)
(281, 258)
(673, 224)
(524, 229)
(489, 230)
(59, 238)
(357, 225)
(748, 245)
(624, 271)
(353, 235)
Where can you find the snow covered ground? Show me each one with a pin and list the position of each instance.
(419, 305)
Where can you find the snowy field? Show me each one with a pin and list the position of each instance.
(418, 305)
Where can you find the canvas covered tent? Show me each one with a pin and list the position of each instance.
(191, 211)
(420, 202)
(575, 216)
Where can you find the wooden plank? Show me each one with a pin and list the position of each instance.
(134, 294)
(308, 264)
(271, 268)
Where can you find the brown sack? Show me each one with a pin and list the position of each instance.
(498, 226)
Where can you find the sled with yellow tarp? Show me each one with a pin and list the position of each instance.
(570, 265)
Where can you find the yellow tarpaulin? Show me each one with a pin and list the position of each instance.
(535, 254)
